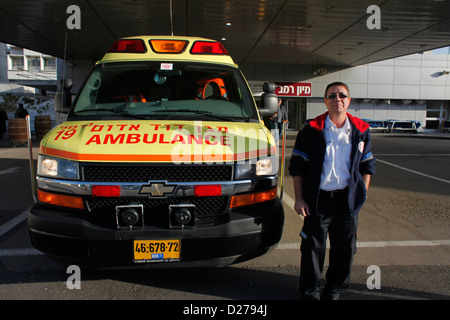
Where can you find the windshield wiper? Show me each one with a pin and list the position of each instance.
(201, 112)
(115, 111)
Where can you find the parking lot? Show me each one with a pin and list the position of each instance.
(403, 230)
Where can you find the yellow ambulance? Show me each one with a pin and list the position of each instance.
(163, 161)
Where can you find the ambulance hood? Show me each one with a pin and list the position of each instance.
(158, 141)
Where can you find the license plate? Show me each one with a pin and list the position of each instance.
(157, 250)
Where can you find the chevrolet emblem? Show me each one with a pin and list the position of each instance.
(156, 189)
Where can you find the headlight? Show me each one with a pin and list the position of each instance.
(57, 168)
(262, 167)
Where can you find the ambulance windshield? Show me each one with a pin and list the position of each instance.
(165, 90)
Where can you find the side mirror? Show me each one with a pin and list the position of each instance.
(269, 100)
(63, 98)
(68, 83)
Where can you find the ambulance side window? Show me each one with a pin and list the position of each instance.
(88, 98)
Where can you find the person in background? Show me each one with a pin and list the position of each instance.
(331, 165)
(21, 112)
(3, 119)
(278, 118)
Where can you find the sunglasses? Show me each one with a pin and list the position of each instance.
(335, 95)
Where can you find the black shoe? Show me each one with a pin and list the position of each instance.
(309, 296)
(330, 296)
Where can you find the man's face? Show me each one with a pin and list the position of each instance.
(337, 100)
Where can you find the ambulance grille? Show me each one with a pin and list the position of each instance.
(157, 210)
(145, 173)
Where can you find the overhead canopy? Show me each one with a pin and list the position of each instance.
(293, 32)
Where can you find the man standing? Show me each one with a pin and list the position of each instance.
(331, 165)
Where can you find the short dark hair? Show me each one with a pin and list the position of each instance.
(337, 83)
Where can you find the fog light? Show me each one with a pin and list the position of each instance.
(182, 215)
(130, 215)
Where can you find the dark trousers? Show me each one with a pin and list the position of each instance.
(335, 220)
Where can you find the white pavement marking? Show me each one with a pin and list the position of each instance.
(289, 201)
(10, 170)
(413, 171)
(412, 154)
(19, 252)
(12, 223)
(380, 244)
(405, 243)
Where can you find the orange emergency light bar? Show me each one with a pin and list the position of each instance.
(168, 46)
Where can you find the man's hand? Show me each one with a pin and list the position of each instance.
(301, 207)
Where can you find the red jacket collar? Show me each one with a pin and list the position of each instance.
(318, 123)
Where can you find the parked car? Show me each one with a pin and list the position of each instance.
(377, 126)
(403, 126)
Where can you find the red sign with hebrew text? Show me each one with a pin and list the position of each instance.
(293, 89)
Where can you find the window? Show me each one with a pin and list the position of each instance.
(34, 63)
(433, 113)
(432, 124)
(16, 62)
(49, 64)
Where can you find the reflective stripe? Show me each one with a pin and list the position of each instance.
(206, 157)
(367, 157)
(305, 156)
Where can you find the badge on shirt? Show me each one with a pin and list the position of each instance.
(361, 146)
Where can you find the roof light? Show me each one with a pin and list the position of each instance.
(208, 47)
(128, 46)
(168, 46)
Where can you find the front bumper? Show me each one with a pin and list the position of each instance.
(70, 237)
